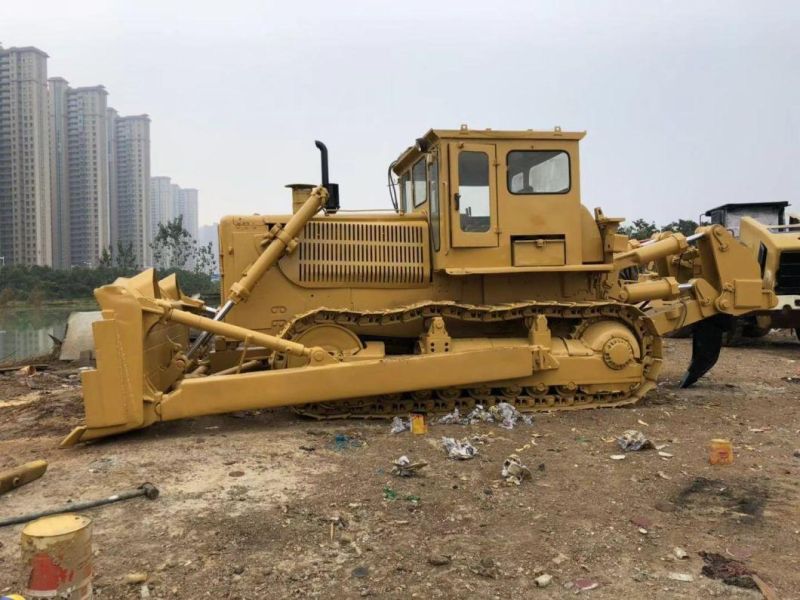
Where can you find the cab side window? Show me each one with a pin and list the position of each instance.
(433, 194)
(419, 181)
(405, 192)
(538, 172)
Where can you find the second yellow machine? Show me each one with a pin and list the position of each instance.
(487, 281)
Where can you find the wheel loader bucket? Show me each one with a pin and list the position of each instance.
(134, 350)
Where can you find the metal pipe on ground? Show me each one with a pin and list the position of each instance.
(148, 490)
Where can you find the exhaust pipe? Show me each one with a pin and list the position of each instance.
(332, 205)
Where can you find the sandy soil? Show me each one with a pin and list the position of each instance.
(264, 505)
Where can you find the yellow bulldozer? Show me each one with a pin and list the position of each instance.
(486, 281)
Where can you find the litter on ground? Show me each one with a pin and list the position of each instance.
(502, 413)
(459, 449)
(633, 441)
(403, 467)
(514, 471)
(399, 425)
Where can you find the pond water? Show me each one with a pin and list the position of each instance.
(25, 331)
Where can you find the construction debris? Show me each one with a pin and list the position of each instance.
(403, 467)
(399, 425)
(17, 476)
(731, 572)
(459, 449)
(681, 576)
(503, 413)
(633, 441)
(543, 580)
(514, 471)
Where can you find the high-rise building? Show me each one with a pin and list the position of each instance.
(209, 234)
(79, 174)
(25, 203)
(87, 166)
(131, 226)
(111, 154)
(188, 208)
(59, 177)
(162, 207)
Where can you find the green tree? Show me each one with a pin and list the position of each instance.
(125, 258)
(684, 226)
(173, 246)
(204, 260)
(639, 229)
(106, 260)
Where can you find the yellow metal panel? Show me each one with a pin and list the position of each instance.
(539, 253)
(286, 387)
(747, 293)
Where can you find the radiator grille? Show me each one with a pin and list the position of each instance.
(362, 253)
(788, 278)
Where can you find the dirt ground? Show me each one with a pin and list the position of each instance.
(266, 506)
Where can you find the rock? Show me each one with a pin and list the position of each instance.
(679, 553)
(361, 571)
(664, 506)
(543, 580)
(681, 576)
(144, 591)
(796, 454)
(560, 558)
(439, 560)
(584, 585)
(238, 569)
(642, 522)
(486, 568)
(236, 474)
(134, 578)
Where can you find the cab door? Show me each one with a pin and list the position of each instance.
(473, 195)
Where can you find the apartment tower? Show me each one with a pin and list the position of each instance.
(25, 203)
(131, 227)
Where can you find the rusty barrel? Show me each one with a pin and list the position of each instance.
(57, 554)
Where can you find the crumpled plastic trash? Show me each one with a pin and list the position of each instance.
(342, 441)
(508, 415)
(514, 471)
(459, 449)
(403, 467)
(503, 413)
(399, 425)
(633, 441)
(453, 418)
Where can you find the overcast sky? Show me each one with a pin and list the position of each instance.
(687, 104)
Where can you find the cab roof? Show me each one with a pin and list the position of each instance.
(434, 135)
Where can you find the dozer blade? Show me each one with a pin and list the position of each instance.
(706, 345)
(141, 362)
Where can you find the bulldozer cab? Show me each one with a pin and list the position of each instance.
(500, 199)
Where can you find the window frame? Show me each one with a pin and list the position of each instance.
(422, 160)
(557, 151)
(435, 207)
(404, 178)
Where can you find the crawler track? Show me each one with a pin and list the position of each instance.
(570, 318)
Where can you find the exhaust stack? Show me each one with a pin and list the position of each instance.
(332, 205)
